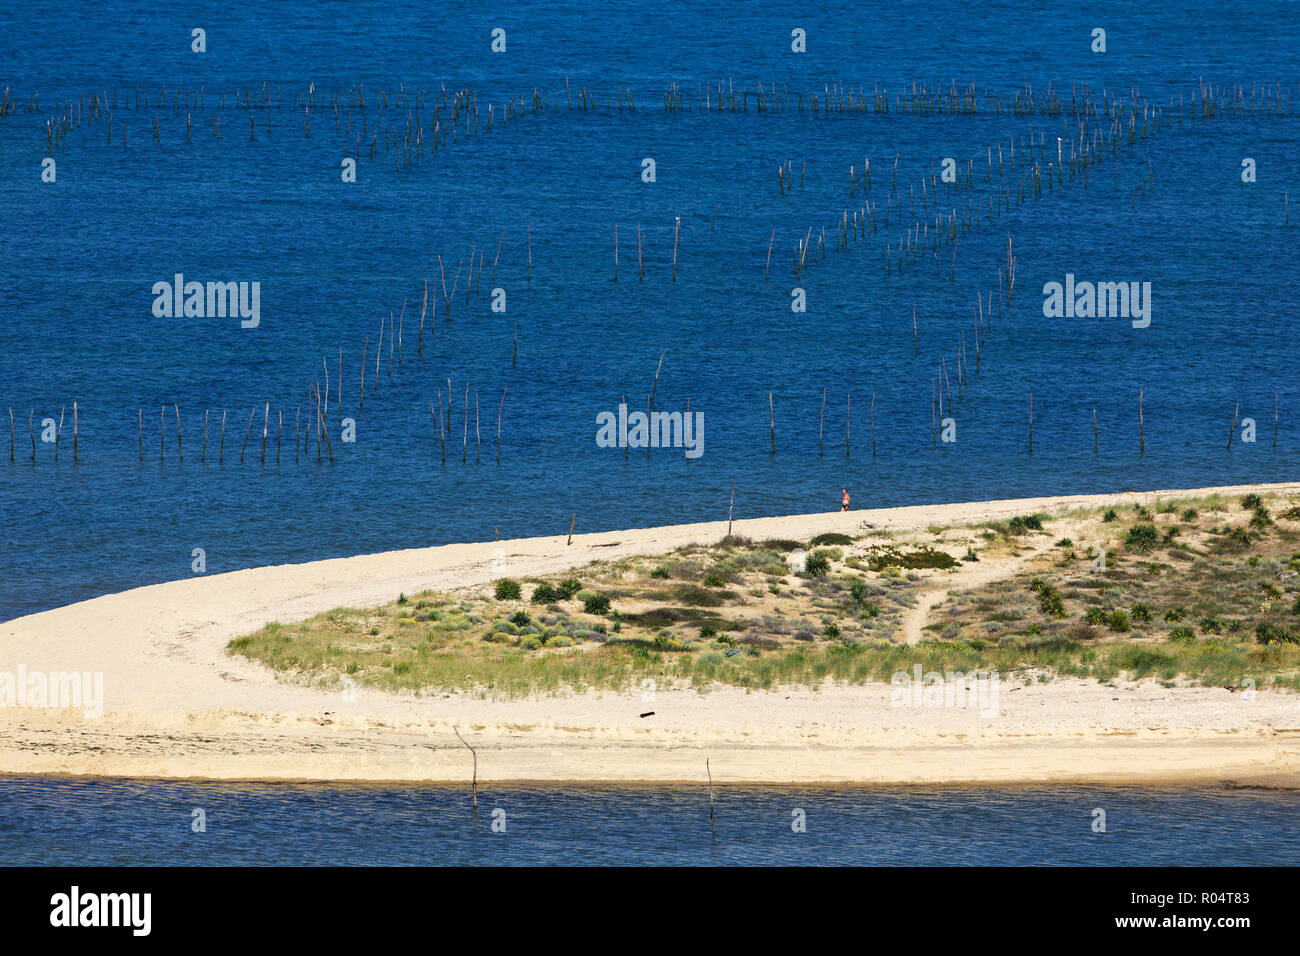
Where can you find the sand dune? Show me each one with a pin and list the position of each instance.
(176, 706)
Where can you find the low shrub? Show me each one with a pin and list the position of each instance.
(818, 564)
(831, 538)
(545, 594)
(1142, 538)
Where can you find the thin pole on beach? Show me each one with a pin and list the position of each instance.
(572, 522)
(474, 781)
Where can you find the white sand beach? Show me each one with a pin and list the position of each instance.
(175, 705)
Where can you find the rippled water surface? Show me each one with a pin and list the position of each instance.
(78, 260)
(48, 821)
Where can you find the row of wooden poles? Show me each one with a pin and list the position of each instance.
(318, 394)
(722, 96)
(407, 136)
(1099, 134)
(1212, 100)
(317, 414)
(316, 425)
(937, 416)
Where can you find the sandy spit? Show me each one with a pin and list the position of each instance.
(176, 706)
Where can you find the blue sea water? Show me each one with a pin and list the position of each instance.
(82, 822)
(79, 257)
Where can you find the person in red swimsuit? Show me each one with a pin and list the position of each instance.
(844, 499)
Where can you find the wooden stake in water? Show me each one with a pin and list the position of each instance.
(820, 423)
(848, 419)
(499, 410)
(1142, 439)
(712, 823)
(247, 432)
(221, 451)
(419, 341)
(771, 421)
(1235, 412)
(676, 229)
(731, 505)
(364, 349)
(74, 433)
(474, 782)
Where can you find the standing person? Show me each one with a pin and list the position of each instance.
(844, 499)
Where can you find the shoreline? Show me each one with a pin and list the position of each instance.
(176, 707)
